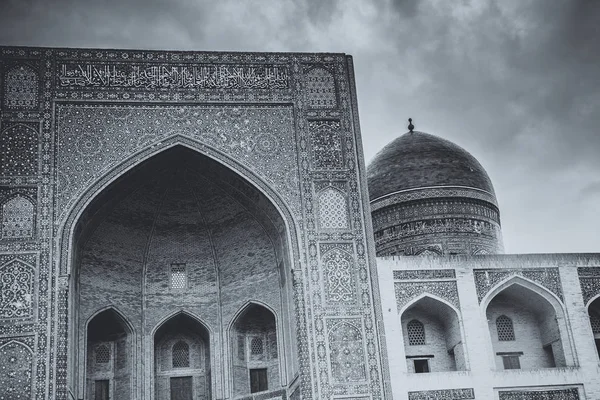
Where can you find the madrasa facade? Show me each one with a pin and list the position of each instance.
(202, 225)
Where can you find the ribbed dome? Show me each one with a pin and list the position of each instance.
(418, 160)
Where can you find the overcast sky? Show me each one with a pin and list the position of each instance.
(516, 83)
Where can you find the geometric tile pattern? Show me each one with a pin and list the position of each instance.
(326, 144)
(444, 394)
(17, 218)
(18, 150)
(320, 88)
(333, 210)
(486, 279)
(346, 352)
(21, 88)
(15, 371)
(556, 394)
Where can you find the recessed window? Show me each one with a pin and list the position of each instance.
(178, 276)
(511, 362)
(181, 355)
(504, 327)
(421, 366)
(416, 333)
(102, 354)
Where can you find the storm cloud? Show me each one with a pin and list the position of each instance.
(517, 83)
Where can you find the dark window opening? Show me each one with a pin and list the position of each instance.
(597, 346)
(511, 362)
(101, 390)
(181, 388)
(421, 366)
(258, 380)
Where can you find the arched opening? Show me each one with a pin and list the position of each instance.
(432, 337)
(594, 313)
(180, 231)
(182, 360)
(109, 363)
(255, 351)
(525, 329)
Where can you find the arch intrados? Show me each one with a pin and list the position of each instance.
(123, 319)
(526, 284)
(422, 296)
(185, 313)
(245, 307)
(69, 222)
(591, 300)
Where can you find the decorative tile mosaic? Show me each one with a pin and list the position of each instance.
(16, 370)
(486, 279)
(422, 274)
(320, 88)
(21, 88)
(338, 265)
(18, 149)
(346, 351)
(556, 394)
(333, 209)
(444, 394)
(16, 289)
(18, 218)
(407, 291)
(326, 143)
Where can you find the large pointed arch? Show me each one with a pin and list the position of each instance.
(444, 323)
(88, 205)
(75, 212)
(517, 294)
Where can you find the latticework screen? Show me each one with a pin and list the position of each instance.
(102, 354)
(504, 326)
(416, 333)
(181, 355)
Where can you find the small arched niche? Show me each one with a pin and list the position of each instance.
(432, 337)
(524, 322)
(594, 313)
(182, 367)
(110, 364)
(254, 351)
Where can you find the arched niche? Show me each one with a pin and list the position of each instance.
(255, 351)
(527, 326)
(110, 356)
(433, 337)
(180, 231)
(594, 313)
(182, 361)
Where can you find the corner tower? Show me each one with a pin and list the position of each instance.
(429, 196)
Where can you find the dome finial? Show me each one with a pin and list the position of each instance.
(410, 125)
